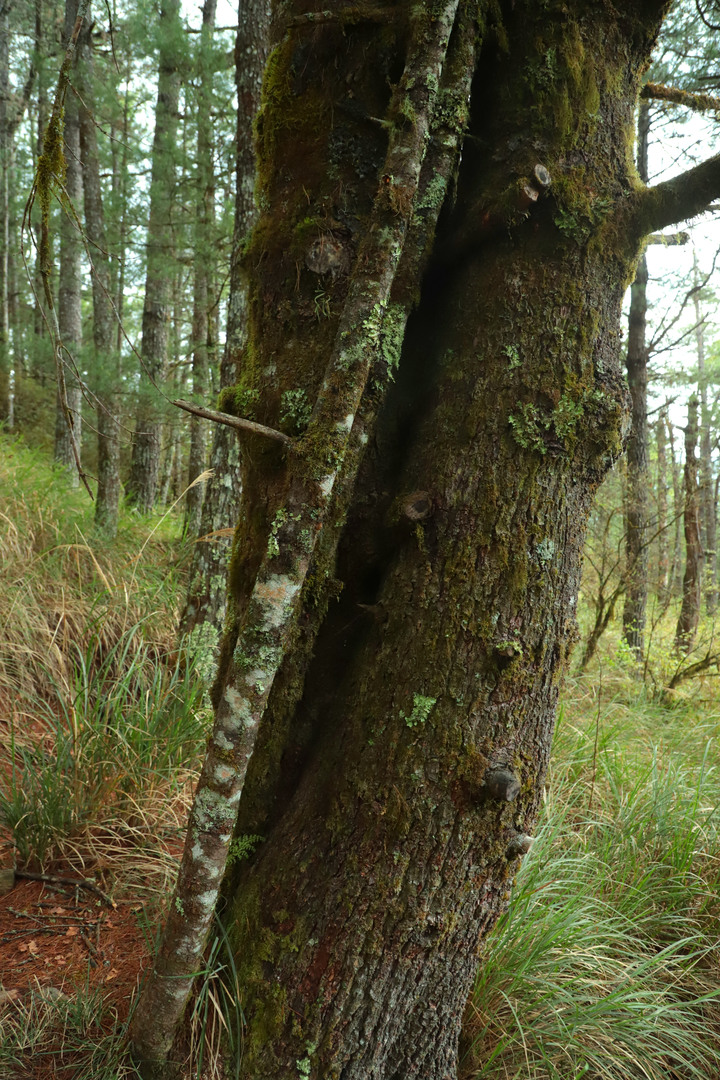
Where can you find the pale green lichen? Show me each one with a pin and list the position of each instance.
(422, 707)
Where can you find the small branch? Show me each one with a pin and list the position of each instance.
(79, 883)
(234, 421)
(678, 199)
(696, 102)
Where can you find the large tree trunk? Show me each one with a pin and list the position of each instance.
(204, 612)
(105, 374)
(692, 581)
(383, 718)
(638, 477)
(143, 482)
(68, 410)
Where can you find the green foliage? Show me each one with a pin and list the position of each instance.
(242, 847)
(422, 707)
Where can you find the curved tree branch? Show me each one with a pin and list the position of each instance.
(683, 197)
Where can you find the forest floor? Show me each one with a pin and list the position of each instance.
(606, 965)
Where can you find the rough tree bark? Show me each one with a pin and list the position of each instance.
(143, 481)
(638, 476)
(692, 580)
(68, 413)
(404, 576)
(204, 612)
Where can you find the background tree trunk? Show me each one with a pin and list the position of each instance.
(676, 564)
(663, 525)
(69, 303)
(638, 478)
(707, 485)
(204, 612)
(202, 266)
(105, 374)
(692, 581)
(143, 482)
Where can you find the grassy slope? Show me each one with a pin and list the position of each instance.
(606, 965)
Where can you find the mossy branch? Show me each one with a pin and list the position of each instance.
(696, 102)
(678, 199)
(237, 422)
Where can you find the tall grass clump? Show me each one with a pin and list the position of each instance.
(102, 720)
(606, 963)
(49, 1033)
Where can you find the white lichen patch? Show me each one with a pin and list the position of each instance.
(221, 741)
(326, 485)
(206, 901)
(275, 598)
(222, 773)
(239, 715)
(345, 424)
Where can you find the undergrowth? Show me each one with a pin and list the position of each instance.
(102, 721)
(606, 963)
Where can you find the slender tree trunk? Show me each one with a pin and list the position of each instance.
(663, 526)
(142, 486)
(676, 564)
(204, 612)
(707, 486)
(68, 414)
(120, 184)
(105, 360)
(202, 265)
(692, 581)
(40, 330)
(638, 477)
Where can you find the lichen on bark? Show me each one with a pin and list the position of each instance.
(403, 582)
